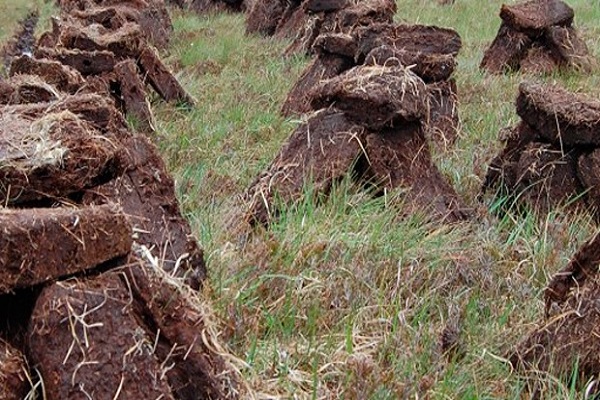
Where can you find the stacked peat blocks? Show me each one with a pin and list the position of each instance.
(373, 94)
(553, 155)
(98, 268)
(536, 36)
(372, 118)
(566, 341)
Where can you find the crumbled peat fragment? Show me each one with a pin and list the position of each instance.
(133, 94)
(13, 373)
(39, 245)
(537, 37)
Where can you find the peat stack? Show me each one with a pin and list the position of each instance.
(536, 36)
(106, 47)
(552, 156)
(429, 51)
(370, 119)
(99, 269)
(566, 341)
(304, 20)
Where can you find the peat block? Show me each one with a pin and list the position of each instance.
(539, 60)
(38, 245)
(133, 94)
(561, 117)
(442, 122)
(86, 341)
(546, 177)
(503, 169)
(506, 51)
(13, 373)
(588, 170)
(86, 62)
(410, 38)
(572, 49)
(125, 42)
(30, 89)
(340, 44)
(161, 79)
(569, 333)
(320, 151)
(536, 15)
(316, 6)
(52, 156)
(52, 72)
(400, 158)
(323, 67)
(198, 372)
(366, 12)
(146, 193)
(374, 96)
(432, 67)
(264, 16)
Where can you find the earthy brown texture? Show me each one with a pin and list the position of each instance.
(536, 37)
(568, 337)
(86, 341)
(29, 89)
(325, 66)
(400, 158)
(565, 42)
(443, 123)
(340, 44)
(198, 371)
(125, 41)
(318, 153)
(374, 96)
(13, 373)
(52, 156)
(161, 78)
(562, 117)
(52, 72)
(588, 171)
(264, 15)
(410, 38)
(146, 193)
(432, 67)
(536, 15)
(86, 62)
(39, 245)
(316, 6)
(133, 95)
(506, 51)
(583, 265)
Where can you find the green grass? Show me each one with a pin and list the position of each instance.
(347, 299)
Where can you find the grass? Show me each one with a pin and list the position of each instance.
(347, 299)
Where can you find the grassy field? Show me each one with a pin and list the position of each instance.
(348, 300)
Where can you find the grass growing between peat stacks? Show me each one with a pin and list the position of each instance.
(347, 299)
